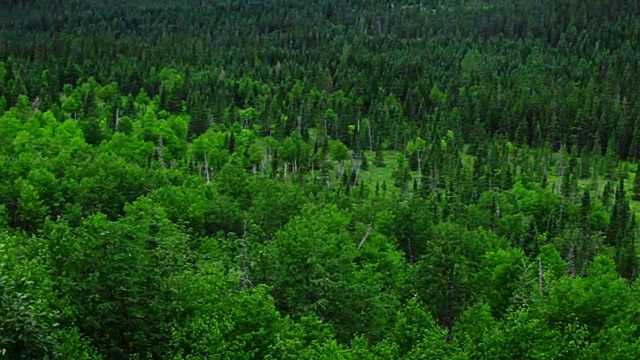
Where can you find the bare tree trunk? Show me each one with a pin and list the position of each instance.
(571, 260)
(246, 282)
(206, 168)
(263, 162)
(540, 276)
(419, 168)
(365, 236)
(160, 149)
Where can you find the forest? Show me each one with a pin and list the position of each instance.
(326, 179)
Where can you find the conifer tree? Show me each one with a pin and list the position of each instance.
(402, 174)
(606, 194)
(380, 157)
(636, 184)
(619, 217)
(634, 148)
(583, 250)
(232, 144)
(364, 163)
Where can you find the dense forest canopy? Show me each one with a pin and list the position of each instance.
(319, 179)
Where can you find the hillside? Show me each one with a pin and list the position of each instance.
(319, 179)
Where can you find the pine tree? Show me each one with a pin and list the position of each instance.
(507, 181)
(553, 134)
(380, 157)
(606, 194)
(626, 251)
(232, 144)
(634, 148)
(364, 164)
(611, 160)
(199, 117)
(402, 174)
(630, 270)
(275, 163)
(597, 144)
(425, 189)
(636, 185)
(566, 187)
(586, 206)
(562, 155)
(619, 216)
(583, 251)
(90, 104)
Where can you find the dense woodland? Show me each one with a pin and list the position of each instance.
(328, 179)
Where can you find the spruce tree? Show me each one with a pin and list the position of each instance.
(606, 194)
(232, 144)
(364, 164)
(380, 157)
(634, 148)
(402, 174)
(275, 164)
(619, 216)
(636, 185)
(583, 250)
(566, 187)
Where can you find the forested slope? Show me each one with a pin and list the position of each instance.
(322, 180)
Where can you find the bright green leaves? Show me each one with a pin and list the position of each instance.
(31, 210)
(70, 105)
(312, 267)
(437, 96)
(114, 272)
(170, 79)
(498, 276)
(446, 271)
(28, 319)
(219, 321)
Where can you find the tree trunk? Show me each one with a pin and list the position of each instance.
(206, 168)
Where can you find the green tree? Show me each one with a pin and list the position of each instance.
(402, 174)
(636, 184)
(379, 157)
(364, 162)
(339, 153)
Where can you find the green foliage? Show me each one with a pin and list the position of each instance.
(166, 185)
(28, 315)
